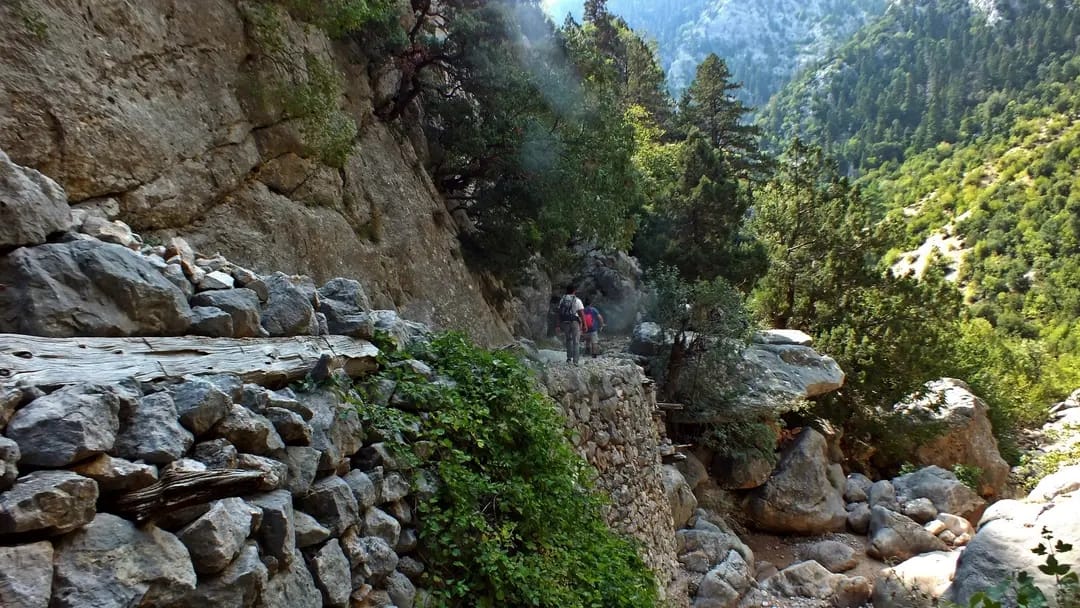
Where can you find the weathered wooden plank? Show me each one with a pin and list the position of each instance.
(174, 491)
(32, 360)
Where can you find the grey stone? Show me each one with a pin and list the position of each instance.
(110, 563)
(47, 503)
(277, 534)
(708, 544)
(332, 574)
(290, 426)
(9, 462)
(400, 510)
(87, 288)
(378, 454)
(174, 274)
(679, 496)
(371, 556)
(856, 487)
(308, 531)
(216, 280)
(647, 340)
(286, 399)
(211, 322)
(401, 590)
(834, 555)
(26, 575)
(215, 538)
(32, 206)
(336, 430)
(412, 568)
(784, 374)
(248, 431)
(920, 509)
(916, 583)
(242, 304)
(344, 304)
(292, 587)
(407, 542)
(152, 432)
(804, 579)
(896, 536)
(116, 232)
(393, 487)
(275, 473)
(287, 312)
(403, 334)
(332, 503)
(117, 474)
(858, 518)
(724, 584)
(200, 404)
(381, 524)
(883, 493)
(241, 584)
(66, 426)
(947, 493)
(255, 398)
(798, 497)
(302, 464)
(229, 384)
(216, 454)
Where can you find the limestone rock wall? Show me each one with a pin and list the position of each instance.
(157, 112)
(609, 406)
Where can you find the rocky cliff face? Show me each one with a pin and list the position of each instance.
(158, 113)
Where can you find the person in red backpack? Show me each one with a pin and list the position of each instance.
(594, 322)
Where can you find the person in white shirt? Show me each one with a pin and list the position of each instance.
(571, 321)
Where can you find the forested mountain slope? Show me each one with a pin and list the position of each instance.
(765, 42)
(923, 73)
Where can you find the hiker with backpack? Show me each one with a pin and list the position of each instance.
(594, 322)
(571, 321)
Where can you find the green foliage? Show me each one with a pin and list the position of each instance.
(340, 18)
(969, 475)
(32, 19)
(514, 521)
(1034, 466)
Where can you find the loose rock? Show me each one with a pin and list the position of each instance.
(151, 431)
(68, 425)
(117, 474)
(32, 206)
(216, 537)
(26, 578)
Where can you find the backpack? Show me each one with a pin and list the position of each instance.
(566, 309)
(590, 320)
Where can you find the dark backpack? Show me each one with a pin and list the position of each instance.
(566, 309)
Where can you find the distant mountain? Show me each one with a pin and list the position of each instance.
(765, 42)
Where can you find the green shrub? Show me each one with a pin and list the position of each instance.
(515, 521)
(969, 475)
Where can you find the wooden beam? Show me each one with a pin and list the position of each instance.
(670, 407)
(174, 491)
(35, 361)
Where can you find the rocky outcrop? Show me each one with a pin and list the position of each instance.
(32, 206)
(783, 370)
(799, 498)
(169, 124)
(943, 489)
(968, 438)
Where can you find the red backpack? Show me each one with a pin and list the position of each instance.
(589, 321)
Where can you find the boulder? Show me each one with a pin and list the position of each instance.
(613, 280)
(400, 589)
(918, 582)
(47, 503)
(26, 575)
(896, 536)
(920, 509)
(308, 531)
(799, 498)
(292, 587)
(393, 487)
(948, 494)
(381, 524)
(242, 304)
(216, 279)
(332, 574)
(276, 533)
(241, 583)
(216, 537)
(648, 340)
(66, 426)
(288, 311)
(706, 544)
(32, 206)
(344, 304)
(782, 336)
(745, 473)
(858, 517)
(248, 431)
(1004, 542)
(810, 580)
(200, 404)
(116, 474)
(724, 584)
(88, 288)
(151, 431)
(857, 487)
(957, 525)
(370, 556)
(883, 493)
(111, 563)
(211, 322)
(332, 503)
(1063, 481)
(679, 495)
(968, 438)
(9, 462)
(783, 374)
(693, 470)
(116, 232)
(403, 334)
(834, 555)
(302, 464)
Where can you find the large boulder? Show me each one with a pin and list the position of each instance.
(799, 498)
(948, 494)
(679, 496)
(217, 536)
(26, 578)
(47, 502)
(784, 374)
(648, 339)
(916, 583)
(66, 426)
(968, 438)
(32, 206)
(894, 536)
(724, 584)
(811, 580)
(288, 311)
(1002, 547)
(151, 431)
(88, 288)
(113, 564)
(613, 280)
